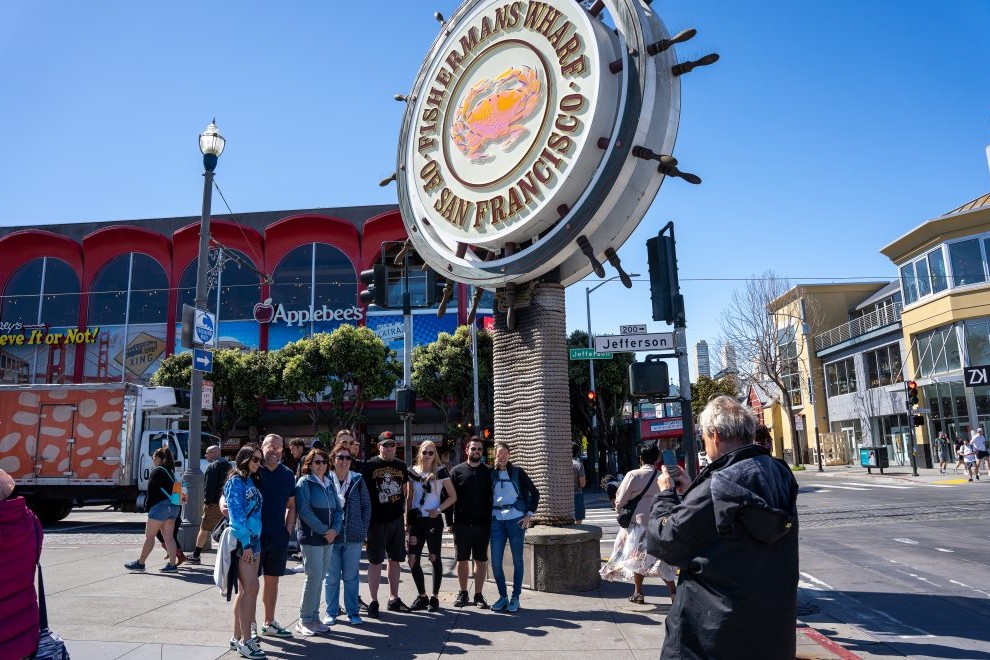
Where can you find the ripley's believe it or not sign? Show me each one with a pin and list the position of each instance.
(516, 144)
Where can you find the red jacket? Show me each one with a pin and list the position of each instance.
(20, 532)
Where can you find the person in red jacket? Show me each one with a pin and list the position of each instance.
(20, 546)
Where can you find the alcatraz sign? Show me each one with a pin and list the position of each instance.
(517, 137)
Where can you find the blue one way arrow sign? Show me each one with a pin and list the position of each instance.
(202, 360)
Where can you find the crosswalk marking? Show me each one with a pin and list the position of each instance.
(878, 485)
(846, 487)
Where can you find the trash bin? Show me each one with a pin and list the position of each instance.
(873, 457)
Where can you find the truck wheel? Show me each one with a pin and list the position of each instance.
(50, 511)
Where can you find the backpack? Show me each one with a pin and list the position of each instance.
(175, 497)
(522, 496)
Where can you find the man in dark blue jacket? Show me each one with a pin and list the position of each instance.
(733, 535)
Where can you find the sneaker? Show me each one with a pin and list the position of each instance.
(462, 599)
(329, 620)
(421, 603)
(250, 649)
(396, 605)
(361, 605)
(971, 478)
(434, 604)
(275, 629)
(500, 604)
(305, 629)
(480, 602)
(134, 565)
(513, 604)
(233, 644)
(169, 568)
(373, 609)
(193, 559)
(355, 620)
(319, 626)
(254, 631)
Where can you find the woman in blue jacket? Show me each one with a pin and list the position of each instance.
(319, 521)
(244, 512)
(346, 554)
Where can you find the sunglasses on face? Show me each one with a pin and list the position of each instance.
(428, 453)
(475, 451)
(342, 457)
(388, 445)
(257, 459)
(319, 461)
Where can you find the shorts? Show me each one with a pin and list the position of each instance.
(274, 554)
(386, 539)
(163, 511)
(982, 454)
(211, 516)
(471, 541)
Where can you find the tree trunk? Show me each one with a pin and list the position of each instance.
(532, 410)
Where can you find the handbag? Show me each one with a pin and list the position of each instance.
(628, 510)
(50, 645)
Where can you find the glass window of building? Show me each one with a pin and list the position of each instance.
(44, 290)
(978, 341)
(938, 351)
(966, 262)
(883, 366)
(936, 264)
(238, 288)
(909, 285)
(149, 291)
(131, 288)
(108, 293)
(293, 279)
(840, 377)
(334, 278)
(923, 276)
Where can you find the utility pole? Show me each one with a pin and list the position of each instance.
(407, 417)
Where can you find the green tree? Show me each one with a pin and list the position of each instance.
(240, 380)
(611, 390)
(442, 373)
(706, 388)
(335, 374)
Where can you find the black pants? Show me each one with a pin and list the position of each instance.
(427, 531)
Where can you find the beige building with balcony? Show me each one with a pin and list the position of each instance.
(944, 267)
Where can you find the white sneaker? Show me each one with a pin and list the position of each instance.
(329, 620)
(305, 629)
(319, 626)
(250, 649)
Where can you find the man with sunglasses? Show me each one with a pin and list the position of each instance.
(386, 477)
(472, 520)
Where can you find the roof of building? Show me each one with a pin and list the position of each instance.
(970, 217)
(893, 287)
(357, 215)
(982, 200)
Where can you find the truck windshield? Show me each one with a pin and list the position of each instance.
(206, 439)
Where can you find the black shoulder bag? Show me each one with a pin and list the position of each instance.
(628, 510)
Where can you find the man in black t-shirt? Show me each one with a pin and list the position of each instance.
(472, 520)
(386, 477)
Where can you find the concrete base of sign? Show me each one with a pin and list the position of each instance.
(558, 559)
(187, 538)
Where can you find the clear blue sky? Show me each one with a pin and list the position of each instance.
(826, 130)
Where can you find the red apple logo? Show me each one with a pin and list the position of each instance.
(264, 312)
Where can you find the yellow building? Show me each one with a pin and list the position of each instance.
(944, 267)
(798, 315)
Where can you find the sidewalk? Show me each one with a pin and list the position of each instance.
(105, 612)
(894, 473)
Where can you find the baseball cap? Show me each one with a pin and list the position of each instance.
(386, 436)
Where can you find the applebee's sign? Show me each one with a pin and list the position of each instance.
(269, 312)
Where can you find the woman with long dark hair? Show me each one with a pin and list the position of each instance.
(244, 512)
(161, 512)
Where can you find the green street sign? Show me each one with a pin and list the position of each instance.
(588, 354)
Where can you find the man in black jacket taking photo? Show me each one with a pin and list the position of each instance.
(734, 535)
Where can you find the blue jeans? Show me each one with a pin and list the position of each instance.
(502, 531)
(316, 560)
(344, 561)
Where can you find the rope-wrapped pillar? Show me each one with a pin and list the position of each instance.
(532, 405)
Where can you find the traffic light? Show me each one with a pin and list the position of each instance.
(405, 400)
(918, 420)
(439, 291)
(912, 394)
(376, 291)
(668, 304)
(592, 400)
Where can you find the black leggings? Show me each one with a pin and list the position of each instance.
(428, 531)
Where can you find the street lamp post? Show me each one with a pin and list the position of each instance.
(591, 371)
(211, 144)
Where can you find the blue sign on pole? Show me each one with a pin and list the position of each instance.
(204, 327)
(202, 360)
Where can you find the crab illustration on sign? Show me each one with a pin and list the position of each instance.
(493, 112)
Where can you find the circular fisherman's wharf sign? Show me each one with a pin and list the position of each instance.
(517, 137)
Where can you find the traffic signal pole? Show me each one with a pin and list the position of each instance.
(407, 418)
(910, 401)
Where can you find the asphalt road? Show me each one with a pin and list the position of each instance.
(898, 568)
